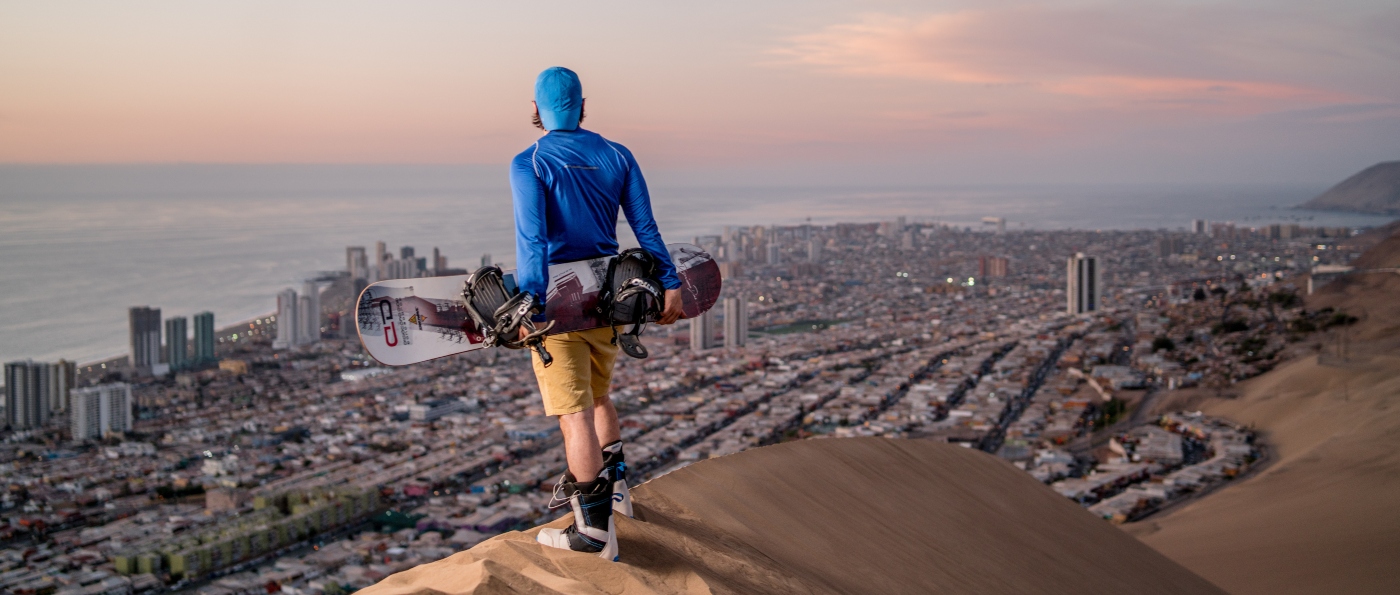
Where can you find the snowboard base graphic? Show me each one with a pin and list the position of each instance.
(406, 321)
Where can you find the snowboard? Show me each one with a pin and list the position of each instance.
(406, 321)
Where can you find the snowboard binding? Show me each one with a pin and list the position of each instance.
(631, 295)
(485, 291)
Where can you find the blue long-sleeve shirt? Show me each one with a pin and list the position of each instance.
(567, 189)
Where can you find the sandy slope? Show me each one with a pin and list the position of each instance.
(867, 515)
(1324, 517)
(1373, 297)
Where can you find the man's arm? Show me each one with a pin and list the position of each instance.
(531, 238)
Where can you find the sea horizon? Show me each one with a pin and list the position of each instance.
(86, 242)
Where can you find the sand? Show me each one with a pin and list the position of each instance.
(861, 515)
(1324, 516)
(1373, 297)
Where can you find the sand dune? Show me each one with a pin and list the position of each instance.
(1322, 518)
(865, 515)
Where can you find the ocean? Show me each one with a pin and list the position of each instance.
(81, 244)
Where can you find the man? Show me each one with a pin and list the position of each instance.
(567, 190)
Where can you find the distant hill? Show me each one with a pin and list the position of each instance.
(848, 515)
(1375, 189)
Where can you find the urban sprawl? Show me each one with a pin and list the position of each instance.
(273, 455)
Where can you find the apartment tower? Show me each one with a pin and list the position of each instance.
(1084, 288)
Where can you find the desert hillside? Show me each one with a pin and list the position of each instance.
(1375, 189)
(1374, 296)
(1321, 518)
(858, 515)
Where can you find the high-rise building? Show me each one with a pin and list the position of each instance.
(411, 268)
(438, 263)
(85, 421)
(145, 337)
(1199, 226)
(204, 338)
(709, 244)
(34, 391)
(906, 241)
(177, 352)
(1169, 246)
(1084, 289)
(814, 250)
(28, 388)
(730, 270)
(100, 410)
(356, 262)
(736, 322)
(1224, 231)
(406, 253)
(774, 255)
(702, 331)
(486, 259)
(309, 314)
(381, 255)
(287, 320)
(63, 375)
(993, 266)
(304, 319)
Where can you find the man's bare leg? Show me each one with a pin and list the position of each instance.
(605, 421)
(581, 447)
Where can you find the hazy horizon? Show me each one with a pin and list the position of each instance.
(226, 238)
(797, 176)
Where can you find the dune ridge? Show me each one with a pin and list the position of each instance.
(859, 515)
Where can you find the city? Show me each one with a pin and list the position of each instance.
(272, 454)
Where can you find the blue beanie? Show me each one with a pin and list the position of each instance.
(559, 96)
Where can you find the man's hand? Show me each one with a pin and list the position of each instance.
(523, 333)
(672, 311)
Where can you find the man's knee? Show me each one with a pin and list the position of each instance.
(581, 418)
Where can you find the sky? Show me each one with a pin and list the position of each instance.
(863, 92)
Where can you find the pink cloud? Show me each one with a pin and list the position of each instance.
(1184, 61)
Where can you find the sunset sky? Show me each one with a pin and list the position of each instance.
(834, 92)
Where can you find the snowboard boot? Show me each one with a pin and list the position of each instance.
(593, 530)
(616, 468)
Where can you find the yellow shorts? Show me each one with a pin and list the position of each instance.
(581, 372)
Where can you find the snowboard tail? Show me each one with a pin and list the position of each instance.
(406, 321)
